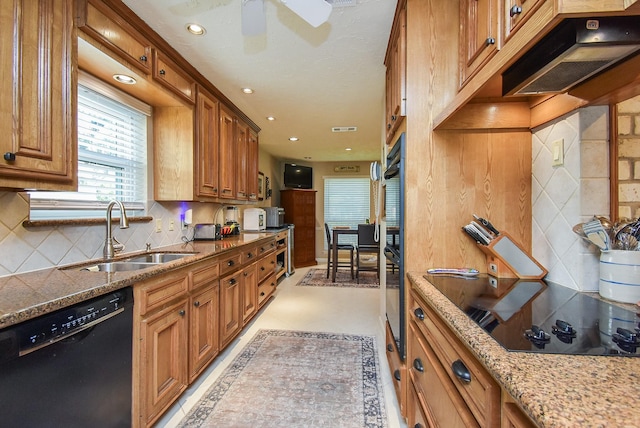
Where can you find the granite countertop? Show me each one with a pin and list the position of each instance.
(554, 390)
(28, 295)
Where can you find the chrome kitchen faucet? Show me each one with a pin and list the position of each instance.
(109, 248)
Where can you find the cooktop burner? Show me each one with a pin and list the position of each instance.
(535, 316)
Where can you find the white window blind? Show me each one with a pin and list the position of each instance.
(112, 158)
(346, 203)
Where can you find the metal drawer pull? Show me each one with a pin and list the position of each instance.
(162, 72)
(417, 364)
(390, 347)
(232, 281)
(515, 10)
(461, 371)
(143, 58)
(182, 313)
(419, 313)
(196, 303)
(230, 263)
(490, 41)
(10, 157)
(418, 425)
(396, 375)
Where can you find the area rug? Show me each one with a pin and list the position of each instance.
(296, 379)
(318, 278)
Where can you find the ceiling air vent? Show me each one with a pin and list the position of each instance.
(344, 129)
(341, 3)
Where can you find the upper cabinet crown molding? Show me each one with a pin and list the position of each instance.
(38, 105)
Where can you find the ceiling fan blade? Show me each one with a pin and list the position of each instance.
(315, 12)
(254, 21)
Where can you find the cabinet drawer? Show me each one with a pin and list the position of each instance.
(438, 398)
(230, 263)
(158, 293)
(266, 266)
(117, 35)
(249, 255)
(266, 247)
(481, 393)
(169, 74)
(398, 371)
(266, 288)
(281, 236)
(204, 273)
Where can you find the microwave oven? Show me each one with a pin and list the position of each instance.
(255, 220)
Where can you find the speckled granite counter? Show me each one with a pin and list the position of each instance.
(28, 295)
(555, 390)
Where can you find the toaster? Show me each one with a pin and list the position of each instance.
(207, 232)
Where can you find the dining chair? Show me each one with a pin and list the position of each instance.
(367, 245)
(345, 247)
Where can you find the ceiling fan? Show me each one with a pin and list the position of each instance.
(315, 12)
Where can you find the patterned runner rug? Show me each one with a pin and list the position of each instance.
(318, 278)
(297, 379)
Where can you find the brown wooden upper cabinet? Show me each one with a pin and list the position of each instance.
(242, 132)
(252, 165)
(227, 154)
(479, 35)
(38, 86)
(396, 62)
(207, 144)
(116, 34)
(170, 75)
(516, 14)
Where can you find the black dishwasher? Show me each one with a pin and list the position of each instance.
(70, 368)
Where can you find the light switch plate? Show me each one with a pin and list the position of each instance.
(557, 152)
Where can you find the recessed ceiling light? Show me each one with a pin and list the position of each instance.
(307, 157)
(348, 149)
(196, 29)
(271, 118)
(247, 90)
(123, 78)
(293, 138)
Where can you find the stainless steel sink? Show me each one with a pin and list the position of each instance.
(117, 266)
(157, 257)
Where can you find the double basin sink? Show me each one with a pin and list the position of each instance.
(141, 261)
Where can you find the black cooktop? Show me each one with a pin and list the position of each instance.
(536, 316)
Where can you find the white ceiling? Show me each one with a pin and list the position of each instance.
(310, 79)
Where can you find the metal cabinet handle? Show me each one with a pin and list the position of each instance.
(417, 364)
(461, 371)
(249, 255)
(262, 294)
(389, 347)
(10, 157)
(230, 263)
(143, 58)
(515, 10)
(418, 425)
(232, 281)
(490, 41)
(388, 126)
(262, 268)
(162, 72)
(419, 313)
(182, 312)
(396, 375)
(196, 303)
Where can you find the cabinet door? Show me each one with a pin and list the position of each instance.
(249, 292)
(230, 307)
(164, 341)
(38, 48)
(242, 150)
(119, 36)
(227, 154)
(252, 166)
(207, 139)
(203, 326)
(396, 72)
(171, 76)
(517, 12)
(479, 35)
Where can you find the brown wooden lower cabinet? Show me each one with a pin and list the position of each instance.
(184, 318)
(448, 386)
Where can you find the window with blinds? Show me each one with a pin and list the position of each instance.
(112, 156)
(346, 203)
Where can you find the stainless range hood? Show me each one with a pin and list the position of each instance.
(577, 49)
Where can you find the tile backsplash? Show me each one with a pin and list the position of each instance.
(26, 249)
(565, 195)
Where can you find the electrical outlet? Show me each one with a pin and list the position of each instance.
(158, 225)
(170, 224)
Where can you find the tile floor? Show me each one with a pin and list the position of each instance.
(324, 309)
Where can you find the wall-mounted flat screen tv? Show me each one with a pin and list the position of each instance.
(298, 176)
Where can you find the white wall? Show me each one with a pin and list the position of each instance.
(563, 196)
